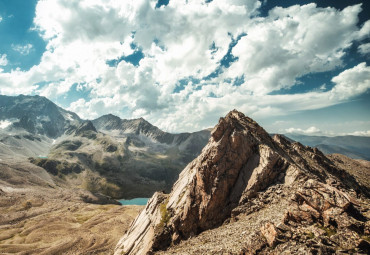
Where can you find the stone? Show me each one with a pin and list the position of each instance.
(270, 232)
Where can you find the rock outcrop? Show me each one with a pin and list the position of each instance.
(237, 165)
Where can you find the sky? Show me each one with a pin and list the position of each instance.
(293, 66)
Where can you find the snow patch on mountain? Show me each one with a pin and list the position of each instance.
(5, 123)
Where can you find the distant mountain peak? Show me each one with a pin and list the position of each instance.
(110, 123)
(109, 115)
(37, 115)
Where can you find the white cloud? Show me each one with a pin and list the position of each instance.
(365, 31)
(1, 18)
(292, 42)
(351, 82)
(364, 48)
(314, 131)
(309, 131)
(177, 41)
(23, 49)
(96, 107)
(3, 60)
(360, 133)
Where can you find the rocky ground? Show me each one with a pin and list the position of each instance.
(358, 168)
(264, 226)
(39, 216)
(234, 236)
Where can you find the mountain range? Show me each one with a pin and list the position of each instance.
(357, 147)
(108, 155)
(116, 157)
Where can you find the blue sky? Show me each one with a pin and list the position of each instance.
(15, 30)
(293, 66)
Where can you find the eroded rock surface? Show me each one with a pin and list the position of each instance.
(243, 171)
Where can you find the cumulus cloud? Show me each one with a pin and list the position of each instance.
(360, 133)
(365, 31)
(96, 107)
(310, 39)
(364, 48)
(182, 82)
(309, 131)
(3, 60)
(1, 18)
(351, 82)
(23, 49)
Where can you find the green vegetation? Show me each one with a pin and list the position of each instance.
(310, 235)
(89, 134)
(97, 184)
(165, 216)
(69, 145)
(366, 238)
(328, 230)
(108, 145)
(55, 167)
(105, 166)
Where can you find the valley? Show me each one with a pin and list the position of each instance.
(40, 214)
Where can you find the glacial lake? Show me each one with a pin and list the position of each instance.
(135, 201)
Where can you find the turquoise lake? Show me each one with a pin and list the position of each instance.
(135, 201)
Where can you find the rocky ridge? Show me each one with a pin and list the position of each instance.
(141, 131)
(289, 198)
(135, 126)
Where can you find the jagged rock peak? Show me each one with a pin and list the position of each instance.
(237, 121)
(239, 160)
(138, 126)
(240, 165)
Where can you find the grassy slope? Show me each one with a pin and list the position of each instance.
(115, 167)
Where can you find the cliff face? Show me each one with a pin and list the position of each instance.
(239, 160)
(239, 163)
